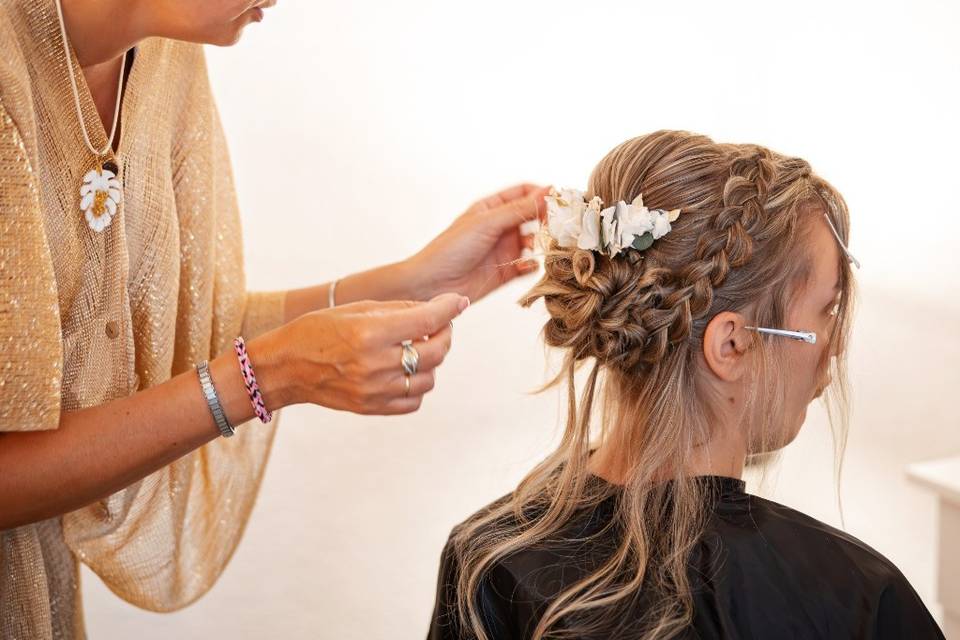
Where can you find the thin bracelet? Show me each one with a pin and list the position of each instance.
(213, 400)
(331, 294)
(250, 381)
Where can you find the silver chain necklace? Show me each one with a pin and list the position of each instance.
(100, 191)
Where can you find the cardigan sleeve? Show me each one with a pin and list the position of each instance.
(31, 352)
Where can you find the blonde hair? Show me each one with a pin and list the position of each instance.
(638, 320)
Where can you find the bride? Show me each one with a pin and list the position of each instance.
(709, 290)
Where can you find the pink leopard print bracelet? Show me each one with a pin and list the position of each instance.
(250, 381)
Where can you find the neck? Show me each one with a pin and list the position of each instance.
(723, 455)
(101, 31)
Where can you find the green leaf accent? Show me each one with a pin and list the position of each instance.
(643, 242)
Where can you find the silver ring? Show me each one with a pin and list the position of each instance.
(410, 359)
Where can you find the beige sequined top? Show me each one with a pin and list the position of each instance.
(87, 317)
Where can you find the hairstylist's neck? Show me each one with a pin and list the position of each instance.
(100, 31)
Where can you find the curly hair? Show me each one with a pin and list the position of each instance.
(639, 318)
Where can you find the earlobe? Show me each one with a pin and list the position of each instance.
(725, 344)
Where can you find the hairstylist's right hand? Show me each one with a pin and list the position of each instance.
(350, 357)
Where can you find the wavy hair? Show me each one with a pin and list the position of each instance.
(638, 321)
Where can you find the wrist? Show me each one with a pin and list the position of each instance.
(231, 392)
(397, 281)
(272, 370)
(414, 277)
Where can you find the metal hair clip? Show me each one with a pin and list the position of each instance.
(803, 336)
(836, 235)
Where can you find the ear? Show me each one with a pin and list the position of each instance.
(725, 346)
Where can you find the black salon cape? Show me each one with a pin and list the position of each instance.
(761, 570)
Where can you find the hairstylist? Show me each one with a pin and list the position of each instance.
(130, 350)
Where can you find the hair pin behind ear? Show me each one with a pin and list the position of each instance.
(836, 235)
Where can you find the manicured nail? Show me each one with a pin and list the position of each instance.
(464, 303)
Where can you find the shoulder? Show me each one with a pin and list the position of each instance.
(530, 574)
(795, 533)
(447, 623)
(838, 566)
(470, 534)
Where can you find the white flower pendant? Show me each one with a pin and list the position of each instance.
(100, 195)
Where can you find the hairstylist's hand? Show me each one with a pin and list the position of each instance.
(481, 250)
(349, 357)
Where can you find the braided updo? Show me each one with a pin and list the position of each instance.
(734, 244)
(740, 244)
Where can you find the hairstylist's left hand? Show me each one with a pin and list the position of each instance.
(481, 250)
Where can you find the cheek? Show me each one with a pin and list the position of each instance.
(806, 373)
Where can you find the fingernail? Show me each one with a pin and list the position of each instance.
(464, 303)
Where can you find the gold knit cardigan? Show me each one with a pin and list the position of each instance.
(88, 317)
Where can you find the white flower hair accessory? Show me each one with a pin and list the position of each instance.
(574, 222)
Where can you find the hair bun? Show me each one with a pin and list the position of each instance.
(602, 308)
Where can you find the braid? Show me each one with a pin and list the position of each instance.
(630, 311)
(727, 243)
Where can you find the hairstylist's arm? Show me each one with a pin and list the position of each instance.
(479, 252)
(345, 358)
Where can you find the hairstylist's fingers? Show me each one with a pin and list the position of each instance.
(432, 352)
(424, 319)
(526, 266)
(502, 197)
(420, 384)
(516, 212)
(400, 406)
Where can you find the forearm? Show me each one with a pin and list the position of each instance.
(98, 451)
(397, 281)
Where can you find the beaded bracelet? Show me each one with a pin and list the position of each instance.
(250, 381)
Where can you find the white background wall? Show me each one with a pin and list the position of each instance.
(360, 129)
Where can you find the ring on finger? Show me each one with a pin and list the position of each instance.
(406, 385)
(410, 359)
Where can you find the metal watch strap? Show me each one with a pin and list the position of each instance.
(213, 400)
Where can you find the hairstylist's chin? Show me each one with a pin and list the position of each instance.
(231, 33)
